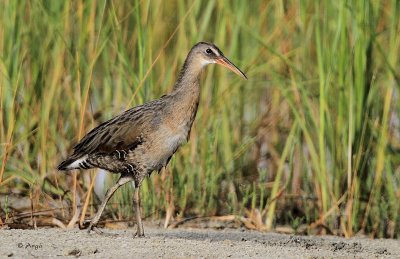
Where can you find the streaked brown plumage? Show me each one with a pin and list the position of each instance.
(144, 138)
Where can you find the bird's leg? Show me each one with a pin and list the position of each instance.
(136, 206)
(121, 181)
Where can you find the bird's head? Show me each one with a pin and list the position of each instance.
(207, 53)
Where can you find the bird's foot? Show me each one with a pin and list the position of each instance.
(90, 225)
(95, 229)
(138, 235)
(139, 232)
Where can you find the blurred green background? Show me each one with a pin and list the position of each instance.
(311, 141)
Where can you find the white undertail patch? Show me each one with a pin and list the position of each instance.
(77, 164)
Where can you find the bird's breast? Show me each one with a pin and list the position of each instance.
(166, 140)
(173, 138)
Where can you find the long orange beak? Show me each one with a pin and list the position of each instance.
(226, 63)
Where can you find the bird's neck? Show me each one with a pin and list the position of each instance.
(188, 82)
(186, 93)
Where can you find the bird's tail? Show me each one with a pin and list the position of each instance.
(65, 164)
(75, 162)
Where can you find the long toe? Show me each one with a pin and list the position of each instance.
(97, 230)
(90, 228)
(94, 228)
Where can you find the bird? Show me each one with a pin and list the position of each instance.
(143, 139)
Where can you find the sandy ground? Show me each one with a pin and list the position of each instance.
(186, 243)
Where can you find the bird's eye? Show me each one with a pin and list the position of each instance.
(209, 51)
